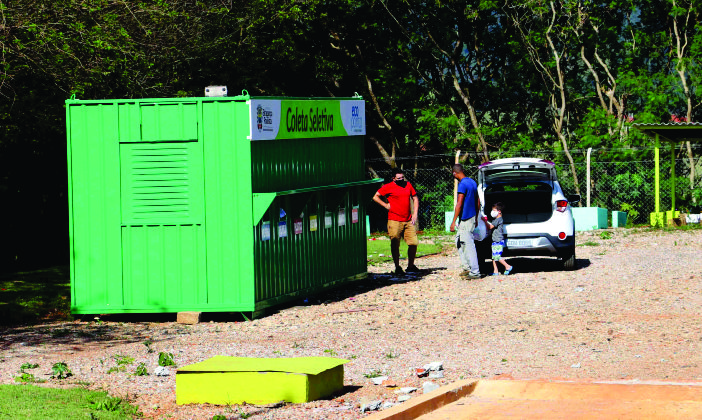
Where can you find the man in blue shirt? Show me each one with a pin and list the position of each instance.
(466, 214)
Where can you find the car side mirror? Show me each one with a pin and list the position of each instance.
(574, 198)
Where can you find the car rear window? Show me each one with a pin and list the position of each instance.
(508, 174)
(524, 202)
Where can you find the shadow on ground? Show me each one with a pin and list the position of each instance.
(372, 282)
(534, 265)
(126, 328)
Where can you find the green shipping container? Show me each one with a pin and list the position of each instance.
(214, 204)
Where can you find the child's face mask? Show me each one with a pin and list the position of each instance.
(494, 213)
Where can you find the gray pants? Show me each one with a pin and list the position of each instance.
(466, 246)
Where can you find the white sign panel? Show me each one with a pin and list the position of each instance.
(265, 119)
(266, 231)
(353, 115)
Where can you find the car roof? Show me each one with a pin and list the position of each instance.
(509, 161)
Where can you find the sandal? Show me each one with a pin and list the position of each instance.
(508, 271)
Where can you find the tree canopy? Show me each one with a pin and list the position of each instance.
(481, 76)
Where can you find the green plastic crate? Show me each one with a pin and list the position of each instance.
(618, 219)
(589, 218)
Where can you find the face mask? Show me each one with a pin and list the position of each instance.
(401, 183)
(494, 213)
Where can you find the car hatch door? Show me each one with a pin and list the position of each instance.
(517, 171)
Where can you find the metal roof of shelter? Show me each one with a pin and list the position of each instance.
(671, 133)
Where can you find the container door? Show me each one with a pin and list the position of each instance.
(162, 210)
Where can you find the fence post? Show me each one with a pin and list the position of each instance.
(589, 151)
(657, 182)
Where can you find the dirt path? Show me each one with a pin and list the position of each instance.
(629, 312)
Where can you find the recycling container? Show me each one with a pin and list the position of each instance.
(214, 204)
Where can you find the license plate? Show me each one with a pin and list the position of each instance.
(519, 243)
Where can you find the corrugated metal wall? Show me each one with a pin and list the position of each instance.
(282, 165)
(308, 259)
(95, 232)
(144, 236)
(228, 206)
(311, 259)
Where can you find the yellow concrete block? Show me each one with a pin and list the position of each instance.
(235, 380)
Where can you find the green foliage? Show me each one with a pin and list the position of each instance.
(60, 370)
(26, 366)
(28, 296)
(141, 370)
(381, 246)
(605, 234)
(29, 402)
(373, 374)
(121, 363)
(106, 404)
(632, 213)
(219, 417)
(148, 344)
(330, 352)
(165, 359)
(26, 377)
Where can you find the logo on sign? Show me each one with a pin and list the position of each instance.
(259, 118)
(356, 119)
(264, 118)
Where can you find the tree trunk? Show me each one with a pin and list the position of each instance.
(680, 68)
(559, 117)
(473, 117)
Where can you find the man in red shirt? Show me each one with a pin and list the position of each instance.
(402, 218)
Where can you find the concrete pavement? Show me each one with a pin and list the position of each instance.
(510, 399)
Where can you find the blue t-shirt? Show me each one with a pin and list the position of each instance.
(468, 187)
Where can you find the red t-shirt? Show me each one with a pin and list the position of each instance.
(399, 199)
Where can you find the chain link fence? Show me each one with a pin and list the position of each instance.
(621, 186)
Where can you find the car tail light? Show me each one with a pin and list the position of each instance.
(561, 205)
(546, 161)
(562, 236)
(482, 165)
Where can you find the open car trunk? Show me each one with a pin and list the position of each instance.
(524, 202)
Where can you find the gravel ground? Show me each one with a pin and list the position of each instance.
(630, 312)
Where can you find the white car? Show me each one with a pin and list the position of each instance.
(537, 216)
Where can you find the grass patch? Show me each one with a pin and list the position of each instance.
(33, 402)
(589, 243)
(691, 226)
(29, 296)
(380, 246)
(373, 374)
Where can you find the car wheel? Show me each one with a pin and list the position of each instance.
(569, 261)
